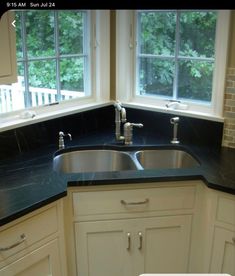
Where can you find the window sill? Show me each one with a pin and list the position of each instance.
(187, 113)
(47, 113)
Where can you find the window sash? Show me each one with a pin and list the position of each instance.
(126, 67)
(176, 58)
(57, 57)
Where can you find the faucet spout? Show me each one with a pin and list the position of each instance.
(120, 117)
(123, 115)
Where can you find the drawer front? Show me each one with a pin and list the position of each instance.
(136, 200)
(27, 232)
(226, 210)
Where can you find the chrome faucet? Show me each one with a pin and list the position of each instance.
(175, 121)
(61, 139)
(128, 132)
(120, 117)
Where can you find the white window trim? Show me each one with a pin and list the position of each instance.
(125, 69)
(100, 81)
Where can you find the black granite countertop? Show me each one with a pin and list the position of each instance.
(28, 181)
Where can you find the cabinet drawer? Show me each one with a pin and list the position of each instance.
(136, 200)
(34, 229)
(226, 210)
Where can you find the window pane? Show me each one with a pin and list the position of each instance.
(40, 33)
(42, 82)
(12, 95)
(156, 76)
(19, 41)
(197, 34)
(157, 33)
(71, 30)
(195, 80)
(19, 97)
(72, 76)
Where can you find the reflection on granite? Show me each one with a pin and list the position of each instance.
(31, 137)
(190, 130)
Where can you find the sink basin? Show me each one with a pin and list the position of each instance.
(109, 160)
(93, 161)
(165, 159)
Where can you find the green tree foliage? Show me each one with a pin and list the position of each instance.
(161, 61)
(40, 39)
(191, 60)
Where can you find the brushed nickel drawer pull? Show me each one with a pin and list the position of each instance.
(140, 240)
(134, 203)
(22, 239)
(128, 241)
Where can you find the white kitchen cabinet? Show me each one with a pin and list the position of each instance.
(223, 243)
(8, 68)
(132, 229)
(102, 248)
(34, 244)
(166, 242)
(223, 254)
(43, 261)
(134, 246)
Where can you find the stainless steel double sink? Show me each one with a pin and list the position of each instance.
(109, 160)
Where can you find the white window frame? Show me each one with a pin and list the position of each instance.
(126, 45)
(100, 80)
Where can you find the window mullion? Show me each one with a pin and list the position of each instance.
(138, 56)
(57, 54)
(85, 55)
(25, 61)
(177, 47)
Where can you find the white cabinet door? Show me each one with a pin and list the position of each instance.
(134, 246)
(165, 244)
(223, 254)
(7, 49)
(44, 261)
(102, 248)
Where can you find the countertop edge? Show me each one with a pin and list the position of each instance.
(31, 208)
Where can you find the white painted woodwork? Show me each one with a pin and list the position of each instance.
(43, 261)
(109, 202)
(223, 254)
(226, 210)
(8, 68)
(158, 219)
(42, 253)
(34, 230)
(103, 248)
(166, 244)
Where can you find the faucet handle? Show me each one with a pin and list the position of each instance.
(61, 139)
(137, 125)
(128, 132)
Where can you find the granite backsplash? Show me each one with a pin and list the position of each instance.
(156, 124)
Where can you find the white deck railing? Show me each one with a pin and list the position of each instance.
(12, 96)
